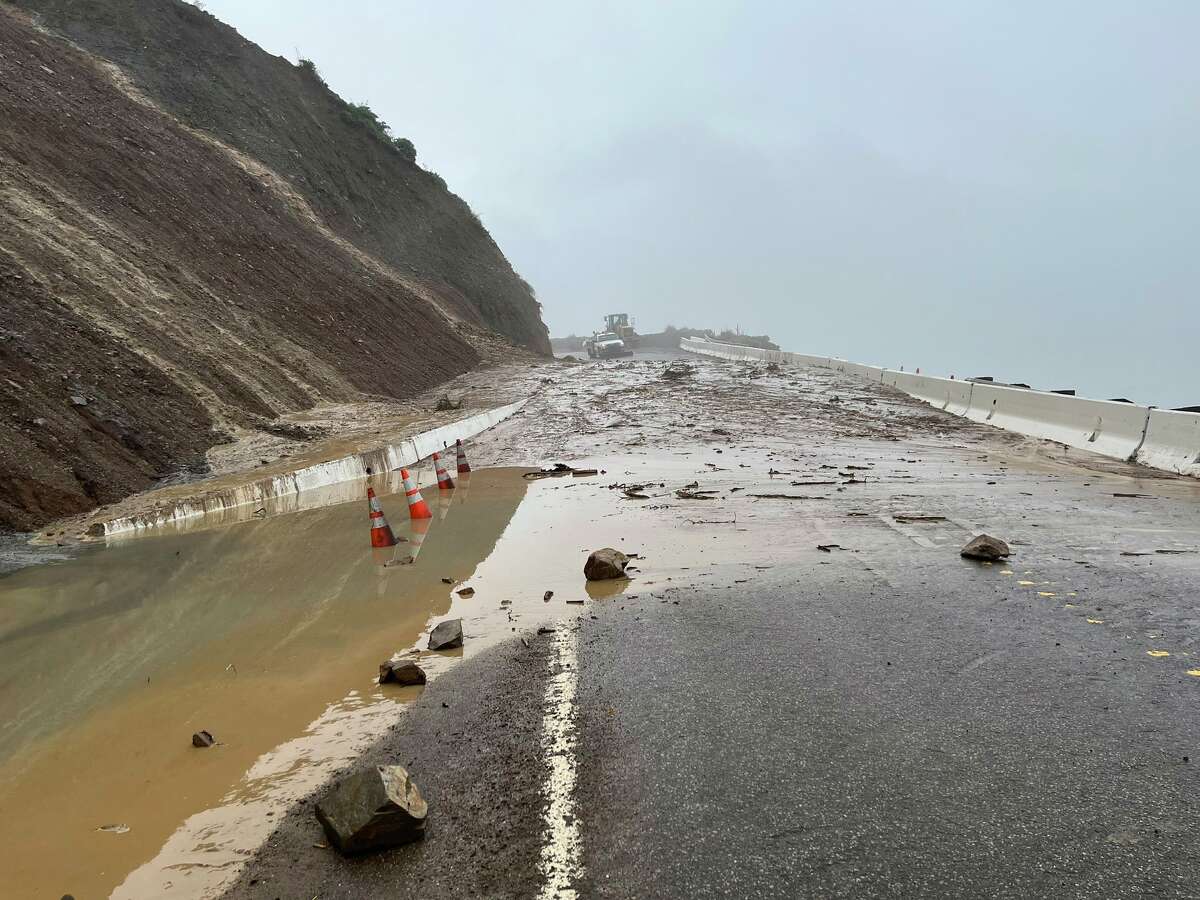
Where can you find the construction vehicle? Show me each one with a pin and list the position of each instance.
(622, 326)
(606, 345)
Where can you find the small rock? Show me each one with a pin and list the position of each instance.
(985, 547)
(447, 581)
(203, 739)
(545, 629)
(445, 403)
(78, 400)
(546, 596)
(466, 592)
(446, 635)
(373, 810)
(401, 671)
(606, 563)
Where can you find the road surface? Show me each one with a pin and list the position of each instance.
(753, 716)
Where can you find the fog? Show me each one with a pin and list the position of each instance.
(1002, 189)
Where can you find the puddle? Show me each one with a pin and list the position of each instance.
(269, 635)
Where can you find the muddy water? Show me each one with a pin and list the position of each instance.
(260, 633)
(269, 634)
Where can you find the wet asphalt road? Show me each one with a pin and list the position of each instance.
(832, 734)
(883, 720)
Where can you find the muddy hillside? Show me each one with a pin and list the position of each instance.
(195, 240)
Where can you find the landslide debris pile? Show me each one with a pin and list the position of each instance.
(159, 289)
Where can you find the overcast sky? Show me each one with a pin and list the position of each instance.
(976, 188)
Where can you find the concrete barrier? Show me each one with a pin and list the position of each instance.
(310, 487)
(1172, 442)
(1101, 426)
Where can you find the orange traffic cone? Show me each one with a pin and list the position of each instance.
(463, 465)
(381, 532)
(417, 507)
(445, 482)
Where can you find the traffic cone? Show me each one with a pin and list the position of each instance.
(417, 507)
(381, 532)
(463, 465)
(445, 482)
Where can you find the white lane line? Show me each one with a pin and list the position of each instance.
(561, 862)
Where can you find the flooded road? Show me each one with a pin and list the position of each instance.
(269, 633)
(260, 633)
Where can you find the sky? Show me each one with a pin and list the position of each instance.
(981, 188)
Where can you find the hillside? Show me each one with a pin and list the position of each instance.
(159, 288)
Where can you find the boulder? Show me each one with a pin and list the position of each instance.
(203, 739)
(401, 671)
(985, 547)
(446, 635)
(373, 810)
(606, 563)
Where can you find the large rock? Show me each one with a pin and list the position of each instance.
(606, 563)
(986, 547)
(446, 635)
(373, 810)
(401, 671)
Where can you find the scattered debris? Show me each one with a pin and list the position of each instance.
(811, 483)
(558, 470)
(466, 593)
(677, 370)
(1138, 496)
(203, 739)
(401, 671)
(985, 547)
(634, 492)
(785, 497)
(829, 548)
(546, 629)
(447, 581)
(114, 829)
(373, 810)
(911, 519)
(721, 431)
(605, 564)
(446, 635)
(694, 492)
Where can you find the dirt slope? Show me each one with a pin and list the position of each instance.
(154, 293)
(211, 78)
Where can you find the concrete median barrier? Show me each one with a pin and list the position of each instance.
(1172, 442)
(1101, 426)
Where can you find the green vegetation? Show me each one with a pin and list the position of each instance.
(362, 116)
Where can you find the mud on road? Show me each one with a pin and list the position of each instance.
(853, 499)
(744, 491)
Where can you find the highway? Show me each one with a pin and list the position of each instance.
(804, 690)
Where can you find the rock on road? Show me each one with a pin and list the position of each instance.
(881, 718)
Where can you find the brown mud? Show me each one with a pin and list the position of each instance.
(162, 293)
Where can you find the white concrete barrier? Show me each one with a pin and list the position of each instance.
(941, 393)
(1102, 426)
(1172, 442)
(310, 487)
